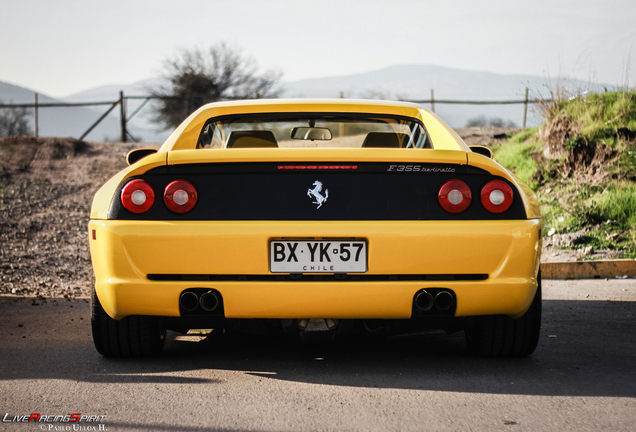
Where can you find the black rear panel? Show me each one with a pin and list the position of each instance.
(282, 191)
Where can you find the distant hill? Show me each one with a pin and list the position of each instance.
(404, 82)
(414, 82)
(111, 91)
(141, 124)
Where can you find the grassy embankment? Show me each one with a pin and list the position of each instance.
(582, 164)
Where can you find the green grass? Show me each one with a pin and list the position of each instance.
(597, 114)
(615, 205)
(517, 155)
(606, 210)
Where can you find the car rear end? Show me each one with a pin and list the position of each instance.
(246, 235)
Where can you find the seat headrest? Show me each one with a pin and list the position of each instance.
(252, 139)
(385, 139)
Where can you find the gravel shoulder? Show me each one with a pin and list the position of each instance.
(46, 190)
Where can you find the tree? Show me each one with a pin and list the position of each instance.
(14, 121)
(482, 121)
(477, 122)
(199, 76)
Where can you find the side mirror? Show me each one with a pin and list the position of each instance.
(137, 154)
(482, 150)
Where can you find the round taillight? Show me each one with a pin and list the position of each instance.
(180, 196)
(137, 196)
(454, 196)
(496, 196)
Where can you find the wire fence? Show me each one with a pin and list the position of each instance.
(125, 118)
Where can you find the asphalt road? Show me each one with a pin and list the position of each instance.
(581, 378)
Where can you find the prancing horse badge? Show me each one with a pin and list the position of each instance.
(316, 193)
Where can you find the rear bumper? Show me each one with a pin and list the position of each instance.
(124, 253)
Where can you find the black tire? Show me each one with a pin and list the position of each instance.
(133, 336)
(502, 336)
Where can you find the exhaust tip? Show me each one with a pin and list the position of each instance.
(189, 301)
(424, 301)
(209, 301)
(444, 300)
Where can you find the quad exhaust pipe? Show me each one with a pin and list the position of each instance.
(190, 301)
(444, 300)
(424, 301)
(209, 301)
(441, 300)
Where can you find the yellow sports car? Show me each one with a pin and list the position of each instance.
(315, 219)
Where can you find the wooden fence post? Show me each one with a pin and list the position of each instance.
(122, 108)
(432, 101)
(525, 109)
(36, 131)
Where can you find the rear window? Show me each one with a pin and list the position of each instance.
(313, 131)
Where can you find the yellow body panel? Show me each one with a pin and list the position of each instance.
(125, 252)
(317, 154)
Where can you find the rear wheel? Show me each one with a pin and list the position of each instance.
(133, 336)
(502, 336)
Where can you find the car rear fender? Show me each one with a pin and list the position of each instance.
(104, 196)
(528, 196)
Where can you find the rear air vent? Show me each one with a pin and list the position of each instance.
(315, 278)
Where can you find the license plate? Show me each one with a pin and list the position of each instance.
(318, 256)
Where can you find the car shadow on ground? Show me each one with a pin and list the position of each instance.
(587, 348)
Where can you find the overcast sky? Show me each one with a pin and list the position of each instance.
(59, 47)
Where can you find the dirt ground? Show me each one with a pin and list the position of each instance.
(46, 190)
(485, 135)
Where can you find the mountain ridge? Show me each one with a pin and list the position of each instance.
(403, 82)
